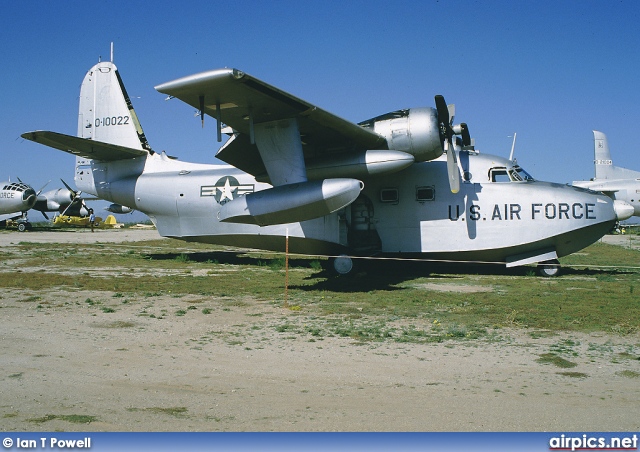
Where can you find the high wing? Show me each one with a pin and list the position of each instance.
(244, 103)
(83, 147)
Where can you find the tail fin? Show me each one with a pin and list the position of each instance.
(602, 156)
(106, 113)
(603, 163)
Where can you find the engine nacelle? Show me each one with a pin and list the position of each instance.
(414, 131)
(118, 208)
(53, 199)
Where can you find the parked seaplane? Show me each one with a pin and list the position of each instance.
(407, 183)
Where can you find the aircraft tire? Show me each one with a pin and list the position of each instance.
(22, 227)
(549, 269)
(342, 265)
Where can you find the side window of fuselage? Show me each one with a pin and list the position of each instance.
(499, 175)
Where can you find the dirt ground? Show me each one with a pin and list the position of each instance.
(231, 370)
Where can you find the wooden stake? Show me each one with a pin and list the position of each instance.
(286, 269)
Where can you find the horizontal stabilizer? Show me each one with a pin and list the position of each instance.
(291, 203)
(83, 147)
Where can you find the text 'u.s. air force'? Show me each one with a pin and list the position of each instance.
(534, 211)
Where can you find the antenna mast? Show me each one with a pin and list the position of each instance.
(513, 146)
(112, 51)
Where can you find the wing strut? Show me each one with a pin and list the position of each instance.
(280, 147)
(201, 100)
(219, 121)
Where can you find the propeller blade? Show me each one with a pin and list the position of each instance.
(65, 209)
(466, 137)
(443, 110)
(44, 214)
(68, 188)
(40, 191)
(452, 112)
(452, 167)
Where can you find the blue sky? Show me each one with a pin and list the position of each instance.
(552, 71)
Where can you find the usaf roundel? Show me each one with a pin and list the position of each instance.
(226, 189)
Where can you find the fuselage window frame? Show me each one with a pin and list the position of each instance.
(389, 195)
(425, 193)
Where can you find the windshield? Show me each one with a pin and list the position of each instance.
(523, 174)
(515, 174)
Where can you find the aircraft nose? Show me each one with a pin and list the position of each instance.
(623, 209)
(29, 196)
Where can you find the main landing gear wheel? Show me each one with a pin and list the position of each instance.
(342, 265)
(549, 268)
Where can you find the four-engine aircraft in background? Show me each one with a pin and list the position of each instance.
(619, 183)
(65, 201)
(16, 198)
(407, 183)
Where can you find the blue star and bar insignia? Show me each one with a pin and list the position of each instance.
(226, 189)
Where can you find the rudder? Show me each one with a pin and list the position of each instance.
(602, 157)
(106, 113)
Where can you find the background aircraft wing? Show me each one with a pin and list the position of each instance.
(83, 147)
(240, 101)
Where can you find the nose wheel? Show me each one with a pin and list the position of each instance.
(549, 268)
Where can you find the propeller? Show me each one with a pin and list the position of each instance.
(446, 114)
(76, 195)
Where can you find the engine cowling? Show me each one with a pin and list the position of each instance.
(414, 131)
(118, 208)
(53, 199)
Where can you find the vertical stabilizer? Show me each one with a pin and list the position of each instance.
(106, 113)
(603, 163)
(601, 155)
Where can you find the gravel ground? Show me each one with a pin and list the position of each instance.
(71, 366)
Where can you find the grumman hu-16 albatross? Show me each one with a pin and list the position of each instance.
(619, 183)
(407, 183)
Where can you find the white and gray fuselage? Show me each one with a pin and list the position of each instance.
(500, 214)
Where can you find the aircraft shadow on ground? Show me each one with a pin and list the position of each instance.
(371, 275)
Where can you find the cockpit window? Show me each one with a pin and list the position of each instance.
(515, 174)
(15, 186)
(499, 174)
(523, 174)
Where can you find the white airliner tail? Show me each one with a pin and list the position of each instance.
(603, 163)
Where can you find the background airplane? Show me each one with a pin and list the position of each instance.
(16, 198)
(406, 183)
(64, 201)
(618, 183)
